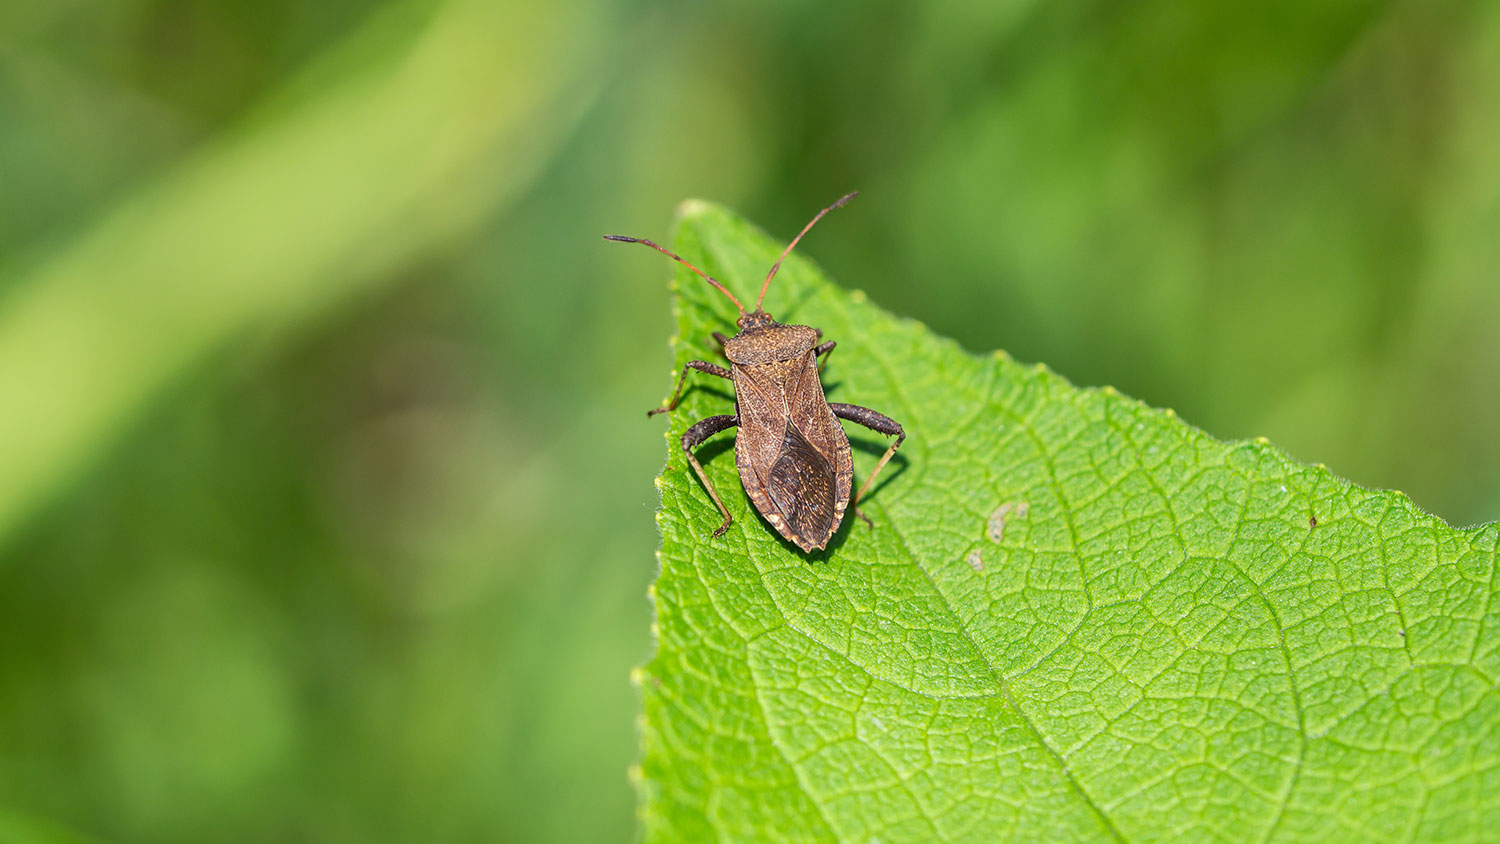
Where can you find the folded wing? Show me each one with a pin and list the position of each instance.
(801, 483)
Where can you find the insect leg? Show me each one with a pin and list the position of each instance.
(693, 438)
(878, 423)
(721, 340)
(701, 366)
(822, 351)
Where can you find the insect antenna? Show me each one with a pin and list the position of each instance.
(674, 256)
(776, 266)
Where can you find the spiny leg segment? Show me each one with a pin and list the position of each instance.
(879, 423)
(693, 438)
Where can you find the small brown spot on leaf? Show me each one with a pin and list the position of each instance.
(995, 529)
(975, 561)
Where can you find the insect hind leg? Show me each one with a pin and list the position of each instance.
(879, 423)
(694, 437)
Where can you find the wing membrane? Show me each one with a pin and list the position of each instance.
(801, 483)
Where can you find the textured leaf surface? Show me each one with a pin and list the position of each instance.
(1076, 618)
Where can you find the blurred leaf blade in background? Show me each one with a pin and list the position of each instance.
(308, 206)
(259, 618)
(1076, 618)
(15, 829)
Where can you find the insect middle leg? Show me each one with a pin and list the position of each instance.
(693, 438)
(701, 366)
(879, 423)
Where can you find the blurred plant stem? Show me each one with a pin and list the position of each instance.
(380, 154)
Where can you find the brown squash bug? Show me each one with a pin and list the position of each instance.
(792, 455)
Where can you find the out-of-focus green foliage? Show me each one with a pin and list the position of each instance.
(324, 487)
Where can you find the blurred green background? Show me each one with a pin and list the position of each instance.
(325, 487)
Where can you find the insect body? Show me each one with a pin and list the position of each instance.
(792, 455)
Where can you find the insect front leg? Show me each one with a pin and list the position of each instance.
(701, 366)
(879, 423)
(693, 438)
(823, 351)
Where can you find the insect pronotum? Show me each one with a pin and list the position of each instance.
(792, 455)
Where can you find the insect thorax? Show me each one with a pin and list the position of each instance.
(770, 343)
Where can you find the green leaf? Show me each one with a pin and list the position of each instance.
(1075, 618)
